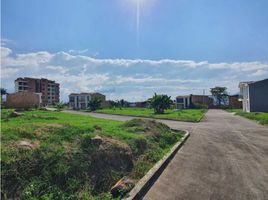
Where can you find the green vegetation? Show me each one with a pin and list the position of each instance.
(54, 155)
(160, 103)
(59, 106)
(189, 115)
(260, 117)
(94, 104)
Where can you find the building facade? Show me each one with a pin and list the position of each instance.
(49, 90)
(23, 100)
(81, 100)
(254, 96)
(189, 101)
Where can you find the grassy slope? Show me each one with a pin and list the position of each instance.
(191, 115)
(260, 117)
(59, 167)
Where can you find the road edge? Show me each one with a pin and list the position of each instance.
(152, 118)
(144, 184)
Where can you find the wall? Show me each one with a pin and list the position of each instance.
(258, 99)
(200, 99)
(234, 103)
(23, 100)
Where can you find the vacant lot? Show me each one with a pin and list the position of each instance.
(52, 155)
(190, 115)
(260, 117)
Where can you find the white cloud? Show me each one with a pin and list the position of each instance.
(75, 51)
(243, 66)
(259, 72)
(5, 41)
(131, 79)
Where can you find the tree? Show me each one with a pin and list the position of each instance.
(3, 92)
(160, 103)
(112, 104)
(94, 104)
(59, 106)
(122, 103)
(220, 94)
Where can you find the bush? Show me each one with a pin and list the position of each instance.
(200, 106)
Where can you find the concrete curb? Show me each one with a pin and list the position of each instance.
(142, 187)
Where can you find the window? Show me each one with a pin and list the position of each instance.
(179, 100)
(71, 99)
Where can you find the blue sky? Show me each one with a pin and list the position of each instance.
(184, 46)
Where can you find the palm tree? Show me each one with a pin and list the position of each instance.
(94, 104)
(59, 106)
(160, 103)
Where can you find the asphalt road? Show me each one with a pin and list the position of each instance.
(226, 157)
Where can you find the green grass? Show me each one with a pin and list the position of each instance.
(65, 164)
(189, 115)
(260, 117)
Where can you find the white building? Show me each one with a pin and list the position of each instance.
(81, 100)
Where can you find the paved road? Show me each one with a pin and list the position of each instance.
(226, 157)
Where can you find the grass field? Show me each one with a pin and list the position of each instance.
(52, 155)
(260, 117)
(190, 115)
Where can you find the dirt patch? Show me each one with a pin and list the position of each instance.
(26, 144)
(47, 128)
(148, 127)
(16, 114)
(122, 187)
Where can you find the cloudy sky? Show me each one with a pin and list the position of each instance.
(132, 48)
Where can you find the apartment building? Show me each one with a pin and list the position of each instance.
(49, 90)
(81, 100)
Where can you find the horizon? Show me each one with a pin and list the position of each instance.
(132, 49)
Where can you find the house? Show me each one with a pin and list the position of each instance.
(23, 100)
(190, 101)
(49, 89)
(141, 104)
(81, 100)
(254, 95)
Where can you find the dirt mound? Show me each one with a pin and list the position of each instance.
(109, 158)
(150, 127)
(111, 152)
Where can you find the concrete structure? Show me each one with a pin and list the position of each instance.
(23, 100)
(254, 96)
(81, 100)
(191, 100)
(50, 90)
(234, 102)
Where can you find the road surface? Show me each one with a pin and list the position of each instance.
(226, 157)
